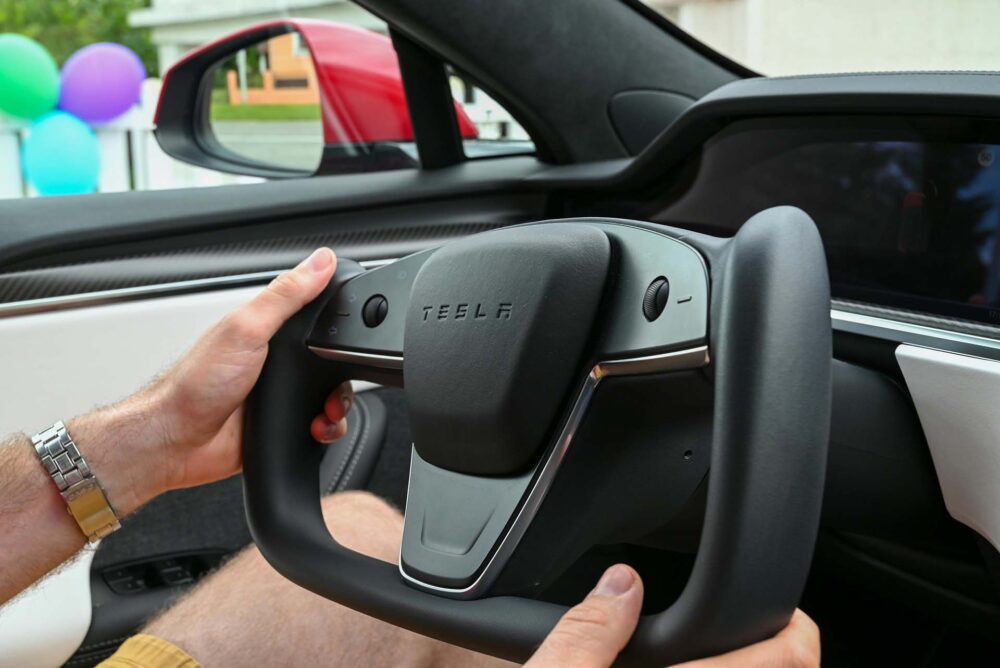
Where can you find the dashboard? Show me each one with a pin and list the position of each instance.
(901, 173)
(909, 208)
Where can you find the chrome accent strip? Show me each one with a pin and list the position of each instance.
(352, 357)
(375, 264)
(690, 358)
(102, 297)
(680, 360)
(924, 336)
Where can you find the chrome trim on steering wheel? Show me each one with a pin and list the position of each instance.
(352, 357)
(680, 360)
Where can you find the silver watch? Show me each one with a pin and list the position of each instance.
(84, 496)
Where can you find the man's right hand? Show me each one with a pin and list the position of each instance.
(190, 420)
(592, 634)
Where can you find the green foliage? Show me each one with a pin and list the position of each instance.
(63, 26)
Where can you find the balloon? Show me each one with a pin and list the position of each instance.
(101, 81)
(61, 155)
(29, 78)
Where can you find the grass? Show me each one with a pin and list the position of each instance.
(265, 112)
(221, 110)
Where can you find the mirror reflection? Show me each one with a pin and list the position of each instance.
(265, 104)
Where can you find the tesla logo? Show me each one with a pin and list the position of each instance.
(480, 311)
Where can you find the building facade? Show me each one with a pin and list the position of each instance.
(178, 26)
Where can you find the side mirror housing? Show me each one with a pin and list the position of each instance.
(291, 98)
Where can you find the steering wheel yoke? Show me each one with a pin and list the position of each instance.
(570, 383)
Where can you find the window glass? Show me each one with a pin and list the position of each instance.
(487, 128)
(784, 37)
(266, 104)
(120, 151)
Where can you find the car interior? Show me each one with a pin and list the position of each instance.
(739, 332)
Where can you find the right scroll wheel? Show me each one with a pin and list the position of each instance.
(655, 299)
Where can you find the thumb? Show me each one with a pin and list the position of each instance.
(593, 633)
(285, 296)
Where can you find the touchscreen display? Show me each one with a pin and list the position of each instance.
(907, 221)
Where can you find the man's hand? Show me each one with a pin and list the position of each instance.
(592, 634)
(201, 398)
(186, 428)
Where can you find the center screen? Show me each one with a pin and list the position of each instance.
(910, 215)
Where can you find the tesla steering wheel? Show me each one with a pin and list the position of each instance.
(570, 384)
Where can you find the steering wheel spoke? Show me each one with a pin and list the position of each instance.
(361, 323)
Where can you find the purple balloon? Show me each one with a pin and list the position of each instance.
(100, 82)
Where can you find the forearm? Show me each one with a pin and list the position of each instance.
(37, 533)
(183, 430)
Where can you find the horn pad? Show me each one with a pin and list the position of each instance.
(496, 330)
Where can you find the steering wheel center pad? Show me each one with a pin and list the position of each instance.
(494, 337)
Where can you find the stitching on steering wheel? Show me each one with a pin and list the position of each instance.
(362, 443)
(334, 481)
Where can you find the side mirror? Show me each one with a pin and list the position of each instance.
(291, 98)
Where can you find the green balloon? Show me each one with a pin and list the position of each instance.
(29, 78)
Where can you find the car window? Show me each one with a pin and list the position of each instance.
(264, 103)
(487, 128)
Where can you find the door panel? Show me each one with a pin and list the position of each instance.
(46, 624)
(98, 355)
(34, 229)
(955, 396)
(63, 364)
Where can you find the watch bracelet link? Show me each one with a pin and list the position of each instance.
(72, 475)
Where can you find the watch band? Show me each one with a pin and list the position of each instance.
(85, 499)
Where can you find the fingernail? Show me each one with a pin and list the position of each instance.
(331, 431)
(616, 581)
(347, 401)
(320, 259)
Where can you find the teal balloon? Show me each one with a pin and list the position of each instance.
(61, 155)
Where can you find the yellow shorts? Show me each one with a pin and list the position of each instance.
(143, 651)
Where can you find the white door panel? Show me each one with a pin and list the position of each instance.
(58, 365)
(61, 364)
(44, 626)
(957, 399)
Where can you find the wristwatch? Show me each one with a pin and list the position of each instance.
(85, 499)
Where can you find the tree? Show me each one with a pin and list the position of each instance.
(63, 26)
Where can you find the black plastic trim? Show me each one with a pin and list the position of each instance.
(432, 110)
(39, 227)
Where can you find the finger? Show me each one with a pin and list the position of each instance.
(327, 431)
(592, 634)
(259, 319)
(796, 646)
(339, 403)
